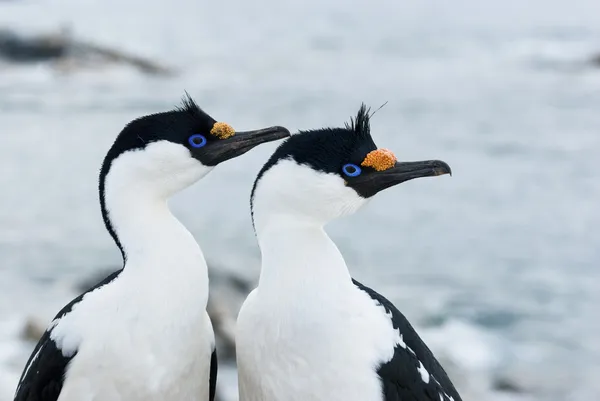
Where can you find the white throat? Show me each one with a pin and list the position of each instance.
(156, 245)
(291, 205)
(295, 252)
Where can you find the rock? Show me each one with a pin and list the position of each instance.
(19, 49)
(517, 380)
(68, 53)
(227, 293)
(505, 385)
(33, 329)
(117, 56)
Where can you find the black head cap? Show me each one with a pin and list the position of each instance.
(209, 141)
(327, 149)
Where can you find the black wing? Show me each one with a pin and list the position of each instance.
(213, 376)
(43, 377)
(413, 373)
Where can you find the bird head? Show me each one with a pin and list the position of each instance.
(318, 175)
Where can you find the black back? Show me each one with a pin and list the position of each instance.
(400, 377)
(44, 379)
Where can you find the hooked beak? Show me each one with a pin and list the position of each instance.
(372, 182)
(240, 143)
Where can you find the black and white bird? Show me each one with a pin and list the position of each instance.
(309, 331)
(143, 332)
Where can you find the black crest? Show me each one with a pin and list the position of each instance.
(361, 125)
(191, 108)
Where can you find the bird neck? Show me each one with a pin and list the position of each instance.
(152, 240)
(295, 252)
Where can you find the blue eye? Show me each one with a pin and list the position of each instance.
(197, 140)
(351, 170)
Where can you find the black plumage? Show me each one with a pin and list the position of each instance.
(400, 377)
(213, 376)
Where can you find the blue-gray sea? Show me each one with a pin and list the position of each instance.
(498, 266)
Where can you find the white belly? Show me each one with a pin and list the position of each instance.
(323, 347)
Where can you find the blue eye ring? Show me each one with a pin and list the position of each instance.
(197, 140)
(351, 170)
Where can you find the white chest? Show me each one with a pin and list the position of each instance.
(133, 346)
(312, 346)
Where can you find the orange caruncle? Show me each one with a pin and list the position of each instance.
(380, 159)
(222, 130)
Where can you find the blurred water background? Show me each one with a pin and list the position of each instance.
(497, 266)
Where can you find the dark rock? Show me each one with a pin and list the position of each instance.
(33, 329)
(20, 49)
(506, 385)
(227, 293)
(64, 50)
